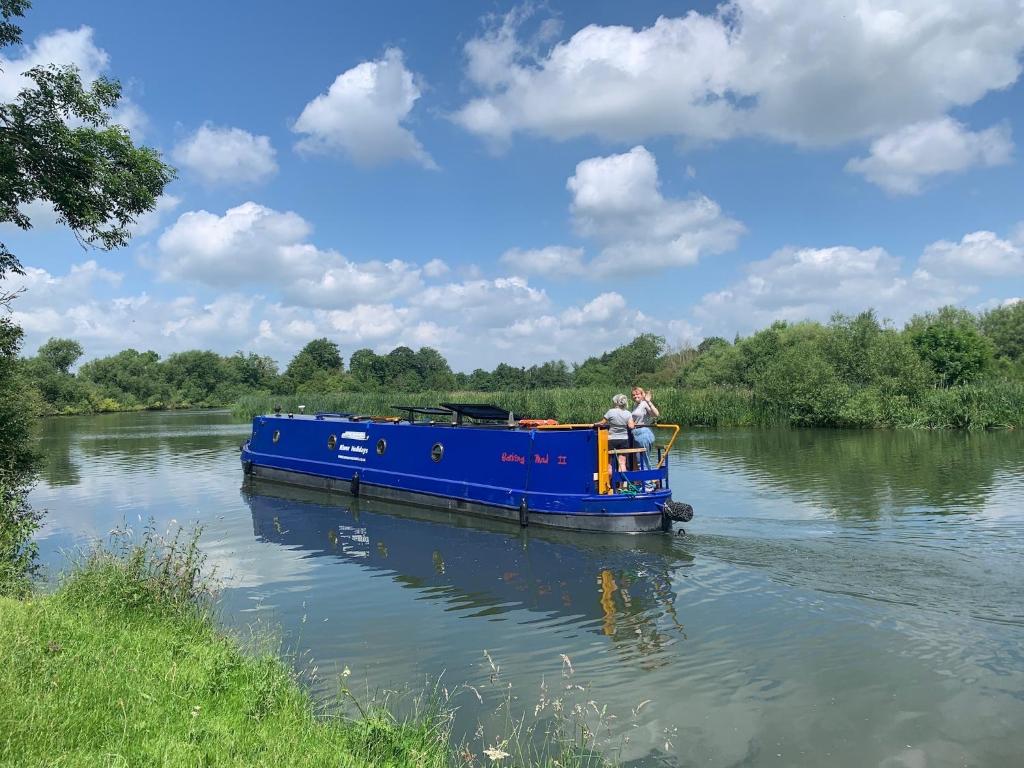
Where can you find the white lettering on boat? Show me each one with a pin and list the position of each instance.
(353, 436)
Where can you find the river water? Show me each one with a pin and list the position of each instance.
(841, 598)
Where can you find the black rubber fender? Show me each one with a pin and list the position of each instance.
(678, 510)
(354, 487)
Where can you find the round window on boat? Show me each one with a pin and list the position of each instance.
(277, 435)
(331, 442)
(437, 451)
(382, 445)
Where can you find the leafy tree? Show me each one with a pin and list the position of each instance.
(56, 145)
(435, 374)
(60, 354)
(320, 356)
(1005, 327)
(59, 146)
(367, 367)
(553, 374)
(710, 343)
(129, 377)
(401, 370)
(952, 344)
(199, 377)
(253, 371)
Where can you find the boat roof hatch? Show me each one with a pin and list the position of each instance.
(477, 411)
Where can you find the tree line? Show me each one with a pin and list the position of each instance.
(853, 370)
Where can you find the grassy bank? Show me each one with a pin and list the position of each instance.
(124, 665)
(989, 405)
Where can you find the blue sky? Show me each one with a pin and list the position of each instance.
(526, 182)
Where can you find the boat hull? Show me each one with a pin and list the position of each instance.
(641, 522)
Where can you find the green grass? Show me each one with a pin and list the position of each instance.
(124, 666)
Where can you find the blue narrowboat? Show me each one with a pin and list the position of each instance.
(469, 458)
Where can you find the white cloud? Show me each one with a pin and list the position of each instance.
(254, 244)
(553, 261)
(346, 282)
(617, 201)
(60, 47)
(221, 155)
(435, 268)
(575, 333)
(471, 324)
(899, 161)
(809, 73)
(796, 284)
(363, 112)
(248, 242)
(63, 47)
(227, 315)
(978, 254)
(490, 302)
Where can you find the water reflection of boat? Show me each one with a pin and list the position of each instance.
(616, 585)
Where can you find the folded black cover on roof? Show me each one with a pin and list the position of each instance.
(425, 410)
(479, 411)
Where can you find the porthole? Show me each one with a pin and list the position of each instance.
(437, 451)
(382, 445)
(277, 435)
(331, 442)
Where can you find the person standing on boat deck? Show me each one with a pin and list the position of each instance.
(620, 422)
(644, 414)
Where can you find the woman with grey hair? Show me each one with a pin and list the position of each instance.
(620, 422)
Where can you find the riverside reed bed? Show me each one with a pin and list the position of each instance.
(995, 404)
(124, 664)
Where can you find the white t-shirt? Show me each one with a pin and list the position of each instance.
(640, 414)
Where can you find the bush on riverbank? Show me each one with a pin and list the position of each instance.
(124, 665)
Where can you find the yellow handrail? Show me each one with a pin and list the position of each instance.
(604, 480)
(671, 442)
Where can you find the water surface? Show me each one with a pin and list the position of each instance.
(841, 598)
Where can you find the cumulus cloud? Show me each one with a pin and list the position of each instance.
(61, 47)
(341, 281)
(812, 74)
(489, 302)
(67, 47)
(796, 284)
(617, 202)
(552, 261)
(435, 268)
(222, 155)
(248, 242)
(474, 323)
(254, 244)
(978, 254)
(362, 115)
(899, 162)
